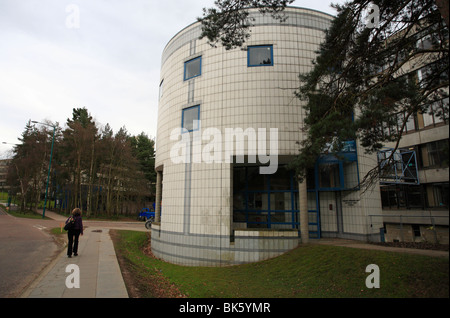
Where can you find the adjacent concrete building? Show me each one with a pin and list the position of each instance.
(415, 194)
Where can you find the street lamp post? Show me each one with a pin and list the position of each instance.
(49, 165)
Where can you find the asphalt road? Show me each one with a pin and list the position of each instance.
(25, 249)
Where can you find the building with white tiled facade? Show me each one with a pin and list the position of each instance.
(215, 205)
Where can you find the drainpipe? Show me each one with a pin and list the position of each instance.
(303, 205)
(158, 196)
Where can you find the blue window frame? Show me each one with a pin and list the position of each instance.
(265, 201)
(338, 172)
(190, 118)
(193, 68)
(260, 55)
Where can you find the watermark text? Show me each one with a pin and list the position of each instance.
(373, 280)
(73, 280)
(211, 146)
(372, 20)
(73, 17)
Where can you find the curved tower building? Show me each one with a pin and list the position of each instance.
(228, 124)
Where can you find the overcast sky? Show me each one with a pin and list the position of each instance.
(105, 55)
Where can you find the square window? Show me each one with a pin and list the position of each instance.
(193, 68)
(261, 55)
(190, 118)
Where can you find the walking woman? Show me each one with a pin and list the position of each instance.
(74, 232)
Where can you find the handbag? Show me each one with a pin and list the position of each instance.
(70, 223)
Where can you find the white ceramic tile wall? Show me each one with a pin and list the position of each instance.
(231, 95)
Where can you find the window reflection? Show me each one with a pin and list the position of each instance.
(260, 55)
(193, 68)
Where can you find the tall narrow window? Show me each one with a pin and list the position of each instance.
(161, 89)
(190, 118)
(193, 68)
(260, 55)
(416, 230)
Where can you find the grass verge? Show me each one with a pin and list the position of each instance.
(314, 271)
(27, 214)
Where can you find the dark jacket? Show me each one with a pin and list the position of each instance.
(78, 225)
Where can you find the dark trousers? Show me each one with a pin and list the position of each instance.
(72, 246)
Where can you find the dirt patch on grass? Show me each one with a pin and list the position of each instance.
(144, 282)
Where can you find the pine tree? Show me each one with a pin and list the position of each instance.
(364, 81)
(230, 22)
(361, 82)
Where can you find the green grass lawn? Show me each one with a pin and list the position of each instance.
(315, 271)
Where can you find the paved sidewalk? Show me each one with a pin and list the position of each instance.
(99, 271)
(365, 245)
